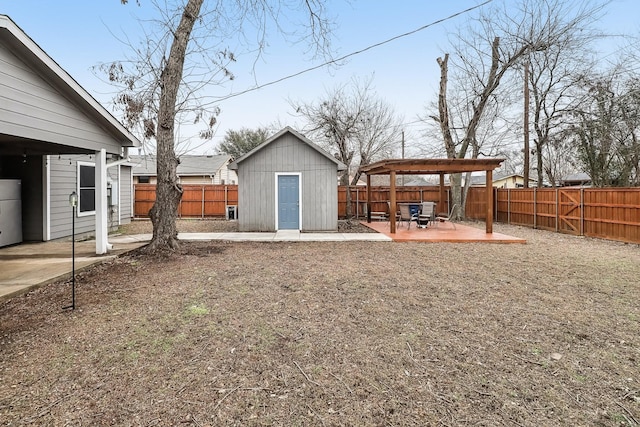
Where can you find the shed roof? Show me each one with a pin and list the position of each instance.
(190, 165)
(298, 135)
(25, 48)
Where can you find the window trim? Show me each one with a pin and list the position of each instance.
(78, 211)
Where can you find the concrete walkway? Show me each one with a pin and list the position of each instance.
(26, 266)
(279, 236)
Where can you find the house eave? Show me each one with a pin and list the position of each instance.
(28, 50)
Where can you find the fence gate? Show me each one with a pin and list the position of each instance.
(569, 211)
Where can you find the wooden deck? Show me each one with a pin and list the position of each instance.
(442, 232)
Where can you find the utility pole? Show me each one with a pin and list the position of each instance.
(526, 122)
(403, 155)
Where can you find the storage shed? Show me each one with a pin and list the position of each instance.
(288, 183)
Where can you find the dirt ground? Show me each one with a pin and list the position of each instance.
(333, 334)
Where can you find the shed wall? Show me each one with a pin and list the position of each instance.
(256, 179)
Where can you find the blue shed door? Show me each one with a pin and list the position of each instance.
(288, 202)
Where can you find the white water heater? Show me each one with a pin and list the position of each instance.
(10, 212)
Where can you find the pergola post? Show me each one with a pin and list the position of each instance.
(442, 196)
(489, 189)
(368, 198)
(392, 201)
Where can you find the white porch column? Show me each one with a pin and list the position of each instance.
(101, 202)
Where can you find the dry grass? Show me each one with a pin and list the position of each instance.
(335, 333)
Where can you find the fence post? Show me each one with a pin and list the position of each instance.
(582, 211)
(557, 211)
(202, 210)
(508, 206)
(535, 207)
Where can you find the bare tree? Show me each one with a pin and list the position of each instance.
(156, 95)
(606, 127)
(493, 45)
(355, 124)
(559, 159)
(553, 68)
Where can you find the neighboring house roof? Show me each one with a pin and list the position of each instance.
(298, 135)
(577, 178)
(190, 165)
(418, 182)
(27, 50)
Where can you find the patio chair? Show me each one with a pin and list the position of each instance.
(447, 218)
(426, 214)
(405, 215)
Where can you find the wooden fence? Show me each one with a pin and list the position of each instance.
(198, 200)
(609, 213)
(380, 199)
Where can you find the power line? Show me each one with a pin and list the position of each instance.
(342, 58)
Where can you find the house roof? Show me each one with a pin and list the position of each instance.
(577, 177)
(190, 165)
(419, 182)
(298, 135)
(27, 50)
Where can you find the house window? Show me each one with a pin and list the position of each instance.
(143, 179)
(86, 188)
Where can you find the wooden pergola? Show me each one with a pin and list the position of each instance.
(392, 167)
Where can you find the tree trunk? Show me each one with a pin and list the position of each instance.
(443, 108)
(456, 191)
(168, 190)
(349, 207)
(539, 165)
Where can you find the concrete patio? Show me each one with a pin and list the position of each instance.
(441, 232)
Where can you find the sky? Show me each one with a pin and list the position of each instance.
(81, 34)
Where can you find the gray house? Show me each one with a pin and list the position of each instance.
(55, 139)
(287, 182)
(192, 169)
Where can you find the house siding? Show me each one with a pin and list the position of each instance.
(287, 154)
(125, 209)
(113, 218)
(62, 184)
(30, 107)
(226, 176)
